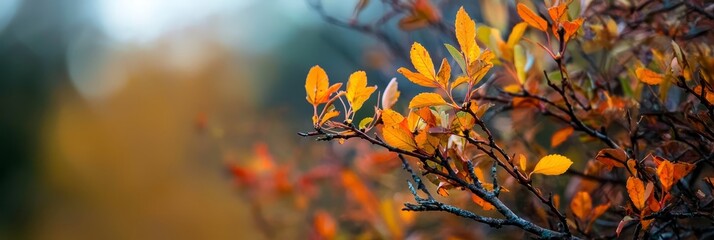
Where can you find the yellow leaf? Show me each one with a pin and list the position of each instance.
(426, 100)
(466, 34)
(522, 162)
(444, 74)
(636, 190)
(581, 205)
(553, 164)
(391, 118)
(519, 61)
(390, 95)
(531, 17)
(460, 80)
(422, 61)
(648, 76)
(366, 121)
(357, 91)
(478, 69)
(560, 136)
(329, 115)
(516, 34)
(418, 78)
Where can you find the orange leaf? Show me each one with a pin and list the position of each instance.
(599, 211)
(571, 28)
(581, 205)
(418, 78)
(557, 12)
(708, 94)
(316, 85)
(531, 17)
(482, 203)
(324, 225)
(391, 118)
(560, 136)
(398, 137)
(636, 190)
(356, 188)
(422, 61)
(522, 162)
(612, 157)
(466, 34)
(444, 74)
(426, 100)
(665, 172)
(427, 142)
(329, 115)
(648, 76)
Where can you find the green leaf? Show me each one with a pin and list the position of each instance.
(457, 56)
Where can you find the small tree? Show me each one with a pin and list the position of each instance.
(632, 82)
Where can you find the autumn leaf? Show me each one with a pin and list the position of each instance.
(366, 121)
(329, 115)
(426, 100)
(522, 162)
(708, 94)
(636, 190)
(571, 27)
(648, 76)
(427, 142)
(665, 172)
(422, 61)
(519, 62)
(516, 34)
(444, 74)
(418, 78)
(316, 86)
(553, 164)
(612, 157)
(324, 225)
(398, 137)
(557, 13)
(531, 17)
(466, 34)
(560, 136)
(486, 206)
(357, 91)
(390, 95)
(391, 118)
(581, 205)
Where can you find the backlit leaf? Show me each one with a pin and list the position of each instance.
(426, 100)
(519, 61)
(366, 121)
(391, 118)
(316, 86)
(665, 172)
(457, 56)
(466, 34)
(398, 137)
(482, 203)
(522, 162)
(636, 191)
(557, 12)
(571, 27)
(581, 205)
(531, 17)
(329, 115)
(444, 74)
(560, 136)
(648, 76)
(553, 164)
(357, 91)
(418, 78)
(422, 61)
(516, 34)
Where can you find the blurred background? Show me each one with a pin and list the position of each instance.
(160, 119)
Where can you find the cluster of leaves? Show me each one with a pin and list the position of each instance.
(634, 81)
